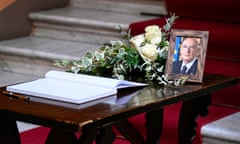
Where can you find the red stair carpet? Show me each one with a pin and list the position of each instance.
(169, 136)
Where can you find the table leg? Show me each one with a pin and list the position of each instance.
(57, 136)
(105, 135)
(8, 130)
(189, 112)
(154, 121)
(102, 136)
(87, 137)
(129, 132)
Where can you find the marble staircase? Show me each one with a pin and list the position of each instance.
(81, 25)
(68, 33)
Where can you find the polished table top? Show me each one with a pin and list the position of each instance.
(142, 100)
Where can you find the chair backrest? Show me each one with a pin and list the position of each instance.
(216, 10)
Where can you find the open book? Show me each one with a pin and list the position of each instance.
(73, 89)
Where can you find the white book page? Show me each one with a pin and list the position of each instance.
(61, 90)
(107, 100)
(71, 88)
(92, 80)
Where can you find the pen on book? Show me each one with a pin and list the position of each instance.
(16, 96)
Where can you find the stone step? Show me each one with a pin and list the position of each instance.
(153, 7)
(35, 55)
(81, 24)
(9, 78)
(223, 131)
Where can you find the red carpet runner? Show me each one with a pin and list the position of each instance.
(169, 136)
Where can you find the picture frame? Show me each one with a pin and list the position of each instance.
(187, 46)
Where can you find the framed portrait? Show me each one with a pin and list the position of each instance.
(186, 55)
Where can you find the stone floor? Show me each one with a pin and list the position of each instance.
(22, 126)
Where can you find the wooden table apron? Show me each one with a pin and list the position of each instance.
(95, 122)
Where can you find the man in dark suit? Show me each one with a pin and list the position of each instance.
(188, 57)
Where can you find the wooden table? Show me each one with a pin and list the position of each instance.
(95, 122)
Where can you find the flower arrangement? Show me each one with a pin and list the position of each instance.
(141, 57)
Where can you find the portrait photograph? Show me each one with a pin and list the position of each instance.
(186, 55)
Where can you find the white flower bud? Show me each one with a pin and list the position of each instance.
(137, 40)
(149, 52)
(153, 34)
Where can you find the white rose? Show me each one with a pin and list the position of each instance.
(152, 29)
(153, 34)
(149, 52)
(137, 40)
(154, 38)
